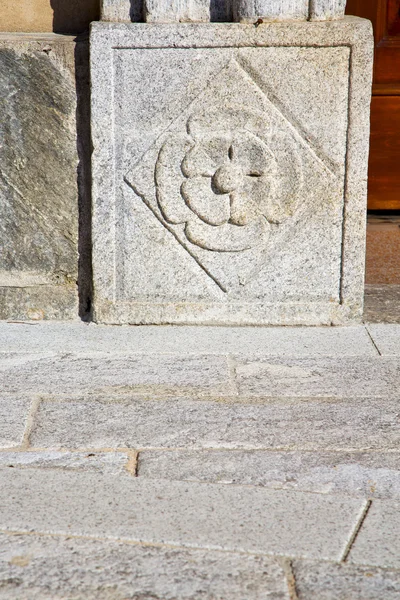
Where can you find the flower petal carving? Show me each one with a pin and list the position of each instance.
(199, 196)
(168, 180)
(227, 238)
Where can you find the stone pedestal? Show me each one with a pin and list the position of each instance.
(230, 171)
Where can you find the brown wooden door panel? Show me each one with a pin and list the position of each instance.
(384, 168)
(384, 165)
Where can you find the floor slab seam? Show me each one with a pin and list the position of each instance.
(287, 568)
(358, 526)
(373, 341)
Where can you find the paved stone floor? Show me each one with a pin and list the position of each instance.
(188, 463)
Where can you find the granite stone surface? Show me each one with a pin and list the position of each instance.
(234, 192)
(14, 409)
(176, 513)
(153, 421)
(220, 10)
(273, 10)
(50, 567)
(99, 462)
(120, 377)
(320, 377)
(378, 542)
(38, 178)
(382, 304)
(327, 581)
(84, 339)
(386, 337)
(184, 11)
(327, 9)
(367, 475)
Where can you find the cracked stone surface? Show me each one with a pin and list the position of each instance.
(185, 463)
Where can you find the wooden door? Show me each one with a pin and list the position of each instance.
(384, 166)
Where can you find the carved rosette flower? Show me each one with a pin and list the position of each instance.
(224, 182)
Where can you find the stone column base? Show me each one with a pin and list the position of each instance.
(230, 172)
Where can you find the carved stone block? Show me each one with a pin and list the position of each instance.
(229, 172)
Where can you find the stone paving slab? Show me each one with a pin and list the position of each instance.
(258, 423)
(327, 581)
(100, 462)
(338, 377)
(81, 338)
(68, 376)
(14, 410)
(378, 542)
(374, 475)
(386, 338)
(178, 513)
(381, 304)
(49, 568)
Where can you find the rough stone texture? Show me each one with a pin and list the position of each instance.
(386, 338)
(306, 424)
(321, 10)
(134, 10)
(80, 338)
(320, 377)
(38, 182)
(178, 513)
(258, 232)
(327, 581)
(220, 10)
(100, 462)
(382, 304)
(62, 568)
(356, 474)
(184, 11)
(378, 542)
(122, 10)
(272, 10)
(121, 377)
(13, 414)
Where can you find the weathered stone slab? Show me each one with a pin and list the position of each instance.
(120, 377)
(319, 377)
(367, 475)
(378, 542)
(14, 410)
(99, 462)
(38, 180)
(382, 304)
(280, 424)
(321, 10)
(386, 337)
(327, 581)
(177, 513)
(49, 567)
(234, 192)
(83, 339)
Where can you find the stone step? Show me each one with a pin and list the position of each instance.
(182, 422)
(369, 474)
(174, 513)
(81, 338)
(49, 567)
